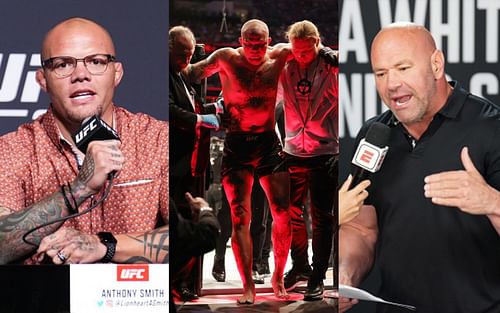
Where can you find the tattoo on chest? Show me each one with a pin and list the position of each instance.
(256, 102)
(258, 81)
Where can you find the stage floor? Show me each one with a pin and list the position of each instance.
(266, 303)
(222, 296)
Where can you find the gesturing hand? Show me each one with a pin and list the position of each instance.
(465, 189)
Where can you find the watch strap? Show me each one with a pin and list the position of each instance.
(109, 241)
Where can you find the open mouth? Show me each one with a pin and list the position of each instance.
(82, 94)
(400, 101)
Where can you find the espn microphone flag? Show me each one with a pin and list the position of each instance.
(371, 152)
(93, 128)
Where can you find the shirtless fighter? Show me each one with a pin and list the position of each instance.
(249, 77)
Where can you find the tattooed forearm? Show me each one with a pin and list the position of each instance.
(87, 170)
(204, 68)
(15, 225)
(79, 190)
(155, 246)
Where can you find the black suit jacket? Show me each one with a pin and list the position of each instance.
(190, 239)
(183, 137)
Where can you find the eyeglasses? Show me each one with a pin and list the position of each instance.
(64, 66)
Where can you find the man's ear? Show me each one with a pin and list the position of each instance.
(437, 63)
(40, 79)
(118, 72)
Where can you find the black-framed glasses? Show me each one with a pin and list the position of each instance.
(64, 66)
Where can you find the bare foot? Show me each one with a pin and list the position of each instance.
(248, 297)
(279, 287)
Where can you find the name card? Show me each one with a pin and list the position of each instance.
(119, 288)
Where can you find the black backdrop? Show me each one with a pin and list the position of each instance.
(139, 30)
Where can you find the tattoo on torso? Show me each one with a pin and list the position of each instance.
(250, 95)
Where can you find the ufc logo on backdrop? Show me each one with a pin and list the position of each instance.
(15, 76)
(132, 273)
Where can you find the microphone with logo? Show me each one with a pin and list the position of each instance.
(94, 128)
(370, 153)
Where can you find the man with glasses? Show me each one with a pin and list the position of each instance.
(43, 175)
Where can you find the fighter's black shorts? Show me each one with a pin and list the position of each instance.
(259, 153)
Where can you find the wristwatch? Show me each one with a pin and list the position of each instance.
(109, 241)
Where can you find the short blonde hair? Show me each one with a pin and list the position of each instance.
(302, 30)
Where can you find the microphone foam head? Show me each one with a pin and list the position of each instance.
(378, 134)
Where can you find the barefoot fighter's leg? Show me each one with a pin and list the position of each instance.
(238, 188)
(277, 189)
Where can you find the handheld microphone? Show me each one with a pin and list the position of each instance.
(371, 152)
(93, 128)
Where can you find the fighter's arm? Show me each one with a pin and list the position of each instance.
(281, 51)
(208, 66)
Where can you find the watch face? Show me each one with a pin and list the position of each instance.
(106, 237)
